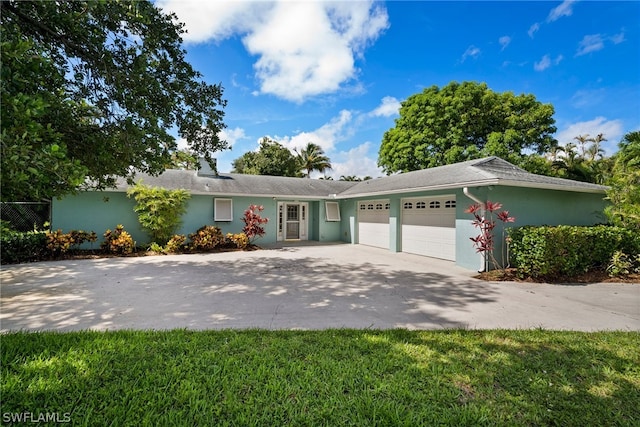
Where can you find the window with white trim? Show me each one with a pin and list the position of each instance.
(408, 205)
(370, 207)
(421, 205)
(378, 206)
(222, 210)
(434, 205)
(363, 207)
(332, 210)
(386, 206)
(450, 204)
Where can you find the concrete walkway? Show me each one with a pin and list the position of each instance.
(296, 287)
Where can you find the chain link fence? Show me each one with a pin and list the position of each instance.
(26, 216)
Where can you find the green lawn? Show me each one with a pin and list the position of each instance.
(333, 378)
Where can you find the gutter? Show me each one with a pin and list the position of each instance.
(483, 256)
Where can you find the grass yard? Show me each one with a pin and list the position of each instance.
(333, 378)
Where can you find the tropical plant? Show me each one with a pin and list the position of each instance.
(118, 241)
(253, 222)
(485, 219)
(206, 238)
(159, 210)
(312, 158)
(624, 192)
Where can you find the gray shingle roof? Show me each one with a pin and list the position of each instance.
(472, 173)
(240, 184)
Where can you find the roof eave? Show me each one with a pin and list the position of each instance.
(550, 186)
(420, 189)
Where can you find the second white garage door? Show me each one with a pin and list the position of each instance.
(373, 223)
(429, 226)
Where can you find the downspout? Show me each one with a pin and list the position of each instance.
(483, 256)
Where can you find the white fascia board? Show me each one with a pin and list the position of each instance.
(548, 186)
(421, 189)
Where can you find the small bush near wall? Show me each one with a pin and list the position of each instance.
(561, 251)
(206, 238)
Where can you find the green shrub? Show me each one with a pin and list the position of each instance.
(620, 264)
(159, 210)
(18, 246)
(118, 241)
(561, 251)
(206, 238)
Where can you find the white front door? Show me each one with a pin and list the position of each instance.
(292, 221)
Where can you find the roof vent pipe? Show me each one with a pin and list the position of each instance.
(483, 255)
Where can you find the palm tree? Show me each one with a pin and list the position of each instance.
(595, 150)
(582, 141)
(312, 158)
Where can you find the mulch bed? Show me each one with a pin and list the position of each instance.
(595, 276)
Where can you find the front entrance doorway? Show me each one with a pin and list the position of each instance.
(292, 221)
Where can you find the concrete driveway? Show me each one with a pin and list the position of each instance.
(296, 287)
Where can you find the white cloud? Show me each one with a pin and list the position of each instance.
(387, 108)
(358, 161)
(326, 136)
(533, 29)
(504, 42)
(564, 9)
(617, 38)
(587, 98)
(303, 48)
(471, 52)
(611, 129)
(232, 135)
(590, 43)
(543, 64)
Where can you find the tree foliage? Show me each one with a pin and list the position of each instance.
(93, 88)
(159, 210)
(312, 158)
(463, 121)
(272, 158)
(624, 193)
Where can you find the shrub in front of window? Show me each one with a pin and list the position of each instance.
(206, 238)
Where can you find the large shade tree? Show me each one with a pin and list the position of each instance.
(272, 158)
(312, 158)
(96, 89)
(463, 121)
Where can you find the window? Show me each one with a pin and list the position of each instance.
(363, 207)
(408, 205)
(450, 204)
(434, 205)
(333, 211)
(421, 205)
(370, 206)
(280, 217)
(378, 206)
(222, 210)
(386, 206)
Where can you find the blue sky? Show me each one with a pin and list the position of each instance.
(334, 73)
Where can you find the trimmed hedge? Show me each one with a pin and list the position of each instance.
(563, 251)
(18, 246)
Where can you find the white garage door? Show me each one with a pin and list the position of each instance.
(373, 223)
(429, 226)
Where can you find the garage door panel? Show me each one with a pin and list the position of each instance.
(373, 223)
(372, 234)
(428, 227)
